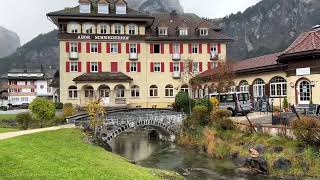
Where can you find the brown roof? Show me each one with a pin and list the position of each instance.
(308, 42)
(103, 76)
(103, 2)
(84, 1)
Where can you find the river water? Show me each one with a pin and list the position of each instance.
(136, 147)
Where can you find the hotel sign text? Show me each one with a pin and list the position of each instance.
(86, 37)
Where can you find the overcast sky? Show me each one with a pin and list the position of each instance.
(28, 17)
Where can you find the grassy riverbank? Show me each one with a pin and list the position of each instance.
(7, 116)
(63, 154)
(5, 130)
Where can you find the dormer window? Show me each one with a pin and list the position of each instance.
(204, 32)
(183, 32)
(121, 8)
(163, 31)
(103, 8)
(132, 29)
(118, 29)
(88, 28)
(85, 8)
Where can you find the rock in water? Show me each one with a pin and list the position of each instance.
(282, 163)
(256, 165)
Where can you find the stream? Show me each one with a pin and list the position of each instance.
(136, 147)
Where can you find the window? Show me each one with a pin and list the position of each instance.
(94, 47)
(13, 82)
(103, 28)
(88, 28)
(278, 87)
(120, 91)
(94, 66)
(244, 86)
(183, 32)
(157, 67)
(89, 92)
(32, 90)
(133, 67)
(185, 88)
(104, 92)
(156, 48)
(73, 66)
(121, 9)
(117, 29)
(132, 29)
(195, 48)
(163, 31)
(73, 47)
(85, 8)
(133, 48)
(213, 48)
(114, 47)
(74, 28)
(176, 48)
(195, 67)
(135, 91)
(169, 91)
(176, 67)
(258, 88)
(204, 32)
(232, 89)
(153, 91)
(103, 8)
(73, 92)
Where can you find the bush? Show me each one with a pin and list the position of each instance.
(24, 120)
(204, 102)
(58, 105)
(285, 103)
(57, 120)
(307, 130)
(182, 101)
(43, 110)
(200, 115)
(220, 119)
(68, 110)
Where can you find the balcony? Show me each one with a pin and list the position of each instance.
(133, 56)
(176, 75)
(176, 56)
(214, 56)
(73, 55)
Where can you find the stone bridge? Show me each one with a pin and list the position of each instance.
(166, 122)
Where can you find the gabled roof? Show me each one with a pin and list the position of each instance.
(203, 24)
(183, 25)
(103, 77)
(308, 42)
(103, 2)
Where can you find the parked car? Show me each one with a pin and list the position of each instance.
(237, 102)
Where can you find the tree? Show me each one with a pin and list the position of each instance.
(43, 110)
(96, 113)
(223, 77)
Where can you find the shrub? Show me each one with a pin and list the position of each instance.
(285, 103)
(68, 110)
(182, 101)
(43, 110)
(58, 105)
(214, 102)
(24, 120)
(57, 120)
(307, 130)
(200, 114)
(204, 102)
(220, 119)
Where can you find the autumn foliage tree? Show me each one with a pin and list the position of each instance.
(96, 113)
(223, 77)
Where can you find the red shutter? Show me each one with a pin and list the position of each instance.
(119, 48)
(67, 47)
(181, 48)
(79, 67)
(151, 49)
(171, 66)
(68, 67)
(181, 67)
(139, 66)
(127, 48)
(190, 48)
(99, 67)
(200, 48)
(162, 67)
(162, 48)
(200, 66)
(88, 47)
(171, 48)
(209, 65)
(208, 48)
(99, 47)
(114, 66)
(108, 48)
(88, 67)
(219, 48)
(128, 66)
(79, 47)
(151, 67)
(139, 48)
(190, 67)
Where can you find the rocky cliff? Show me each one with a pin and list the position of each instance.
(156, 5)
(9, 42)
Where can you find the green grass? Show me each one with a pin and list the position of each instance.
(7, 116)
(63, 154)
(5, 130)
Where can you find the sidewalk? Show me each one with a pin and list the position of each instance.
(255, 117)
(20, 133)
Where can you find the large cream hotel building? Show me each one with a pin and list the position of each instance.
(129, 58)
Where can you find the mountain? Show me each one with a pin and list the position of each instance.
(156, 5)
(9, 42)
(269, 26)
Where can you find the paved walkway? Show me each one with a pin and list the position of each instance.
(255, 117)
(20, 133)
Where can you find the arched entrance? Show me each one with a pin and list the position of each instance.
(104, 94)
(304, 92)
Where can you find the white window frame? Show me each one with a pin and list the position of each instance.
(244, 86)
(74, 67)
(94, 67)
(259, 88)
(133, 67)
(94, 47)
(169, 91)
(89, 93)
(153, 91)
(195, 48)
(195, 67)
(88, 28)
(156, 67)
(85, 8)
(74, 47)
(74, 28)
(204, 31)
(132, 29)
(176, 67)
(103, 8)
(278, 88)
(176, 48)
(183, 31)
(163, 31)
(118, 29)
(121, 9)
(120, 92)
(103, 28)
(73, 93)
(133, 48)
(135, 91)
(114, 48)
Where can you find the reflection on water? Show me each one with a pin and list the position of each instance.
(163, 155)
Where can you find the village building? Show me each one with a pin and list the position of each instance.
(293, 74)
(129, 58)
